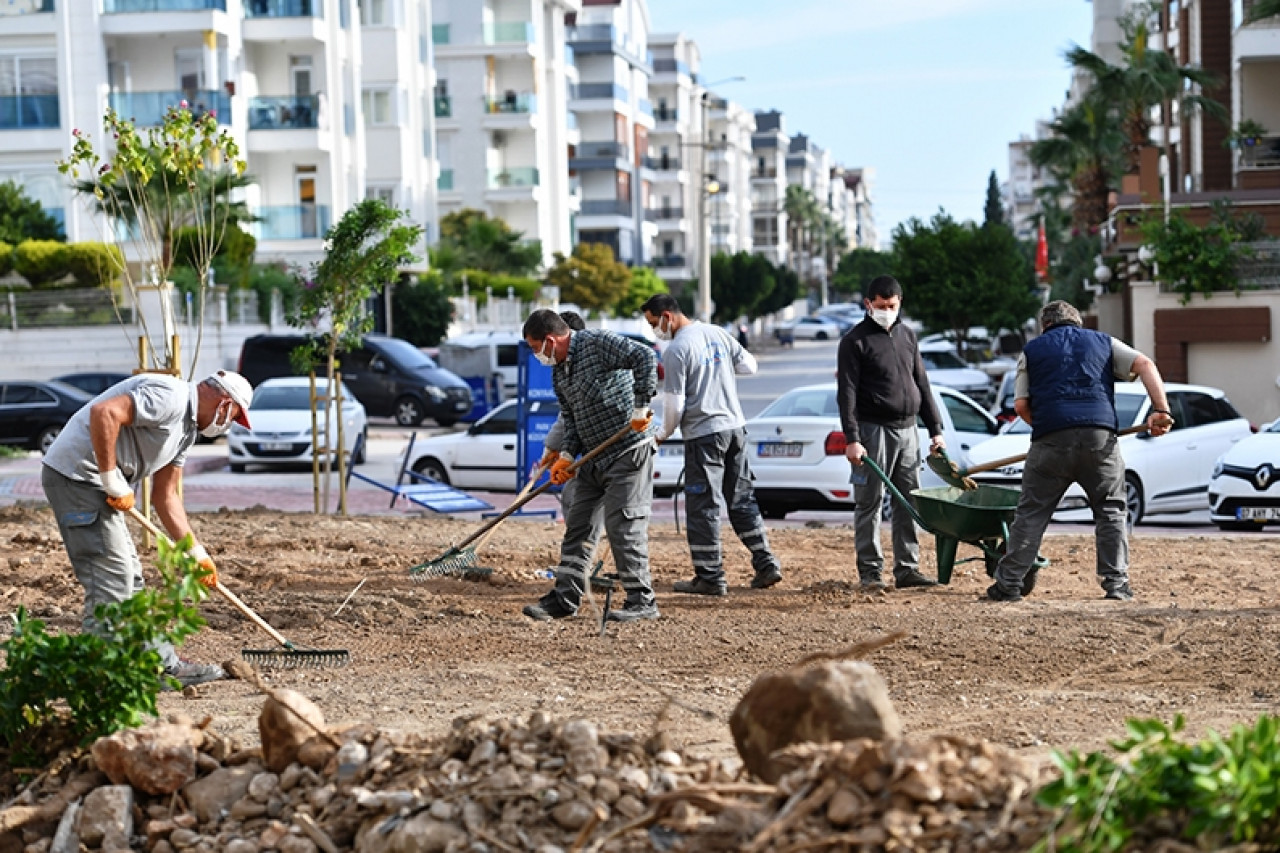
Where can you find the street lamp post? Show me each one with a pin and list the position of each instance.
(706, 188)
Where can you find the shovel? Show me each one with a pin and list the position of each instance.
(953, 475)
(288, 656)
(460, 558)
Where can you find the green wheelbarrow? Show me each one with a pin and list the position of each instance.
(978, 517)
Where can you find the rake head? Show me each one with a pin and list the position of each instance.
(289, 658)
(452, 563)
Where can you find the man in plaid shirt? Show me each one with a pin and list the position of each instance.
(604, 382)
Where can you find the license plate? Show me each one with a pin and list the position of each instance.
(1258, 513)
(780, 450)
(276, 445)
(461, 407)
(671, 451)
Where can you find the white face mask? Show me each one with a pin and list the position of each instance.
(218, 427)
(544, 358)
(663, 330)
(886, 317)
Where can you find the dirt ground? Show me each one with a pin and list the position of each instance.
(1061, 669)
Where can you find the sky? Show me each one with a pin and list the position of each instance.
(929, 93)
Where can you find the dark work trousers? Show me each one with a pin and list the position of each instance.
(623, 488)
(717, 477)
(896, 450)
(1091, 457)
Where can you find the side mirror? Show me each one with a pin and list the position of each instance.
(378, 366)
(475, 429)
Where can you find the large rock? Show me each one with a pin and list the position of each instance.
(422, 834)
(107, 816)
(282, 732)
(831, 701)
(157, 759)
(212, 796)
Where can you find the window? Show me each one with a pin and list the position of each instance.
(508, 355)
(379, 107)
(1197, 409)
(386, 195)
(30, 85)
(965, 417)
(375, 13)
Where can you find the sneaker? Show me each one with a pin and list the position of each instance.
(188, 673)
(871, 585)
(548, 607)
(912, 580)
(995, 593)
(701, 586)
(634, 613)
(766, 578)
(1120, 593)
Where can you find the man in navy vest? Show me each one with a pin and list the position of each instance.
(1066, 379)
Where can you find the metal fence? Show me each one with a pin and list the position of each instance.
(45, 309)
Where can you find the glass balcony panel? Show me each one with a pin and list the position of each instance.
(516, 176)
(284, 9)
(508, 32)
(147, 109)
(602, 90)
(28, 7)
(646, 108)
(28, 112)
(292, 222)
(439, 33)
(444, 183)
(444, 106)
(512, 102)
(288, 112)
(606, 207)
(590, 32)
(110, 7)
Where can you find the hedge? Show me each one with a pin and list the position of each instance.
(6, 258)
(95, 264)
(41, 261)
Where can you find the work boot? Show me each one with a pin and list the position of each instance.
(1120, 593)
(995, 593)
(871, 585)
(913, 579)
(634, 611)
(766, 578)
(548, 607)
(701, 586)
(188, 673)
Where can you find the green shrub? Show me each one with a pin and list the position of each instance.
(233, 262)
(95, 264)
(524, 289)
(41, 261)
(6, 258)
(266, 278)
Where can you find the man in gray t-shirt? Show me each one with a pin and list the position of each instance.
(700, 398)
(141, 427)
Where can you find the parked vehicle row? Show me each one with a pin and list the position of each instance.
(280, 431)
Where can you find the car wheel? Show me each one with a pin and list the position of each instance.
(1133, 499)
(358, 455)
(431, 467)
(408, 412)
(237, 468)
(44, 440)
(773, 511)
(822, 336)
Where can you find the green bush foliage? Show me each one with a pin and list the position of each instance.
(95, 264)
(1212, 794)
(480, 283)
(41, 262)
(6, 258)
(22, 218)
(232, 263)
(422, 310)
(86, 685)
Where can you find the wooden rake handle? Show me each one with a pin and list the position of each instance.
(533, 478)
(1009, 460)
(226, 593)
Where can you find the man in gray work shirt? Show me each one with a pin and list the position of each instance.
(700, 397)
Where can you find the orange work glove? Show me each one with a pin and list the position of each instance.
(560, 473)
(548, 459)
(640, 419)
(202, 557)
(119, 492)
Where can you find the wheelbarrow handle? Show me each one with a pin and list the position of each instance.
(868, 461)
(1021, 457)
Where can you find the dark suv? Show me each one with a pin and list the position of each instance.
(389, 376)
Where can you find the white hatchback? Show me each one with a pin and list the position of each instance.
(280, 417)
(1244, 490)
(797, 448)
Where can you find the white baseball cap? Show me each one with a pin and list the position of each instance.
(238, 389)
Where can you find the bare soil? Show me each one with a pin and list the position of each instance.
(1063, 668)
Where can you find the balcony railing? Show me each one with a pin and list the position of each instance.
(147, 109)
(609, 207)
(28, 112)
(571, 121)
(119, 6)
(444, 106)
(288, 112)
(508, 32)
(670, 66)
(602, 90)
(444, 183)
(665, 163)
(439, 33)
(611, 150)
(27, 8)
(668, 261)
(517, 176)
(657, 214)
(284, 9)
(1264, 153)
(767, 172)
(292, 222)
(590, 32)
(666, 114)
(646, 107)
(512, 102)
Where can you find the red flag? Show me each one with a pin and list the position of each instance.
(1042, 254)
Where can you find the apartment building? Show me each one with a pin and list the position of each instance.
(843, 207)
(769, 145)
(612, 163)
(678, 157)
(862, 183)
(1255, 82)
(808, 167)
(504, 77)
(1021, 204)
(729, 163)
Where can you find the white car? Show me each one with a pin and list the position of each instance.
(946, 368)
(483, 457)
(1166, 474)
(811, 329)
(797, 448)
(280, 417)
(1244, 490)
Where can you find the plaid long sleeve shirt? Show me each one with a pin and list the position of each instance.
(605, 377)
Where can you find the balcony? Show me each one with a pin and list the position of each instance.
(512, 102)
(113, 7)
(297, 112)
(29, 112)
(589, 91)
(663, 214)
(516, 176)
(444, 106)
(671, 66)
(147, 109)
(284, 9)
(666, 114)
(600, 155)
(508, 32)
(665, 163)
(645, 107)
(292, 222)
(444, 183)
(606, 207)
(440, 34)
(668, 261)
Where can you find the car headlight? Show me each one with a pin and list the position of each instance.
(1217, 469)
(237, 429)
(435, 393)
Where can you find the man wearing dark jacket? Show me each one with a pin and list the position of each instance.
(881, 388)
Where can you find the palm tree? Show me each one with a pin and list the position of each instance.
(1084, 154)
(1262, 9)
(803, 215)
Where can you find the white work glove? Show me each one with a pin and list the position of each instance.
(119, 492)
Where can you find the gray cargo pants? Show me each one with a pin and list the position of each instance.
(1091, 457)
(717, 476)
(99, 546)
(896, 450)
(623, 488)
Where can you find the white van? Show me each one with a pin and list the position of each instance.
(493, 356)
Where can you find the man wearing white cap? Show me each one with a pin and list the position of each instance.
(141, 427)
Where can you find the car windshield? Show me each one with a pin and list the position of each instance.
(1127, 406)
(1275, 426)
(803, 403)
(941, 360)
(288, 398)
(405, 354)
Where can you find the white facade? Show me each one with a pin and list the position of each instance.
(730, 163)
(1021, 206)
(862, 183)
(769, 187)
(676, 144)
(613, 161)
(503, 130)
